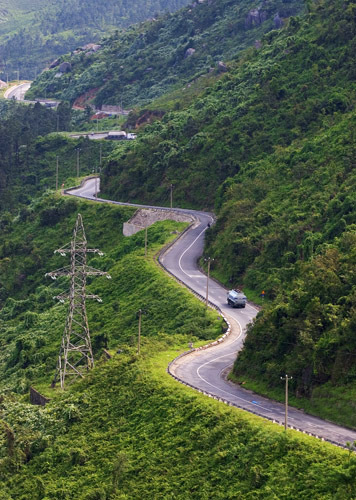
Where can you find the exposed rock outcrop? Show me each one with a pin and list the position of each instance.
(65, 67)
(277, 22)
(189, 52)
(222, 68)
(255, 17)
(54, 64)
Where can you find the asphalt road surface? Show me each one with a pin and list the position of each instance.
(207, 369)
(17, 91)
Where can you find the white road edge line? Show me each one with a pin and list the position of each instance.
(219, 357)
(186, 250)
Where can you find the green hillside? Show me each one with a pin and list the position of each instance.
(144, 62)
(272, 146)
(34, 33)
(128, 430)
(30, 146)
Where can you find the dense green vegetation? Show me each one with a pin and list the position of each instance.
(33, 33)
(308, 330)
(30, 321)
(29, 147)
(146, 61)
(272, 146)
(128, 430)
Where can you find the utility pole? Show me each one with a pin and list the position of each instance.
(57, 167)
(146, 241)
(139, 331)
(140, 313)
(96, 186)
(97, 178)
(78, 158)
(286, 378)
(171, 195)
(76, 355)
(209, 261)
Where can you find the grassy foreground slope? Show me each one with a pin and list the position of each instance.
(148, 60)
(128, 431)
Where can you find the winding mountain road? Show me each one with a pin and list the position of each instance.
(206, 369)
(17, 92)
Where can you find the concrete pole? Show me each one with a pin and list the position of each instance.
(57, 167)
(209, 261)
(78, 153)
(286, 378)
(96, 187)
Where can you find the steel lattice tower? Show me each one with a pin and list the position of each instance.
(76, 355)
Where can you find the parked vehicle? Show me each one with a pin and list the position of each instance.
(235, 298)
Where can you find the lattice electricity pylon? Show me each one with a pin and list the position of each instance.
(76, 355)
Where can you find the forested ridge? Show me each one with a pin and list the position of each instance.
(34, 33)
(278, 133)
(146, 61)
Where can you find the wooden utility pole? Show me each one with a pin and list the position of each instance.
(286, 378)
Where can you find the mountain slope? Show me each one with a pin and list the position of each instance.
(140, 64)
(34, 33)
(272, 146)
